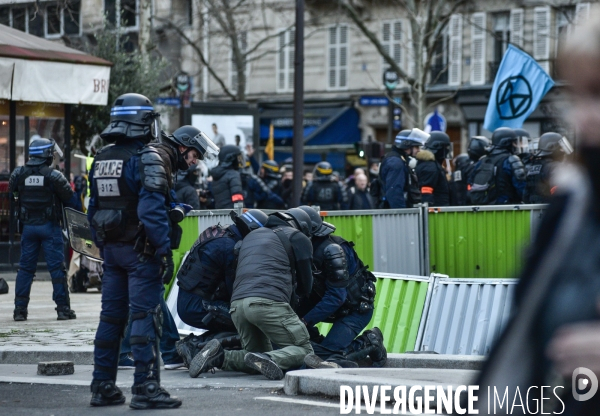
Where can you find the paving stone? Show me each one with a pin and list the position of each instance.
(56, 368)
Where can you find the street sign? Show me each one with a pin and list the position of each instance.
(373, 101)
(390, 79)
(182, 82)
(172, 101)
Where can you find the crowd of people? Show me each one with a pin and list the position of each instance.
(419, 168)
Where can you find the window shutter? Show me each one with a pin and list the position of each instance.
(582, 12)
(478, 61)
(332, 57)
(281, 61)
(455, 66)
(291, 56)
(343, 63)
(391, 41)
(516, 27)
(541, 36)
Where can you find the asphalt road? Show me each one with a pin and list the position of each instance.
(41, 399)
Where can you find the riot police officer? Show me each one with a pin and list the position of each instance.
(274, 267)
(205, 281)
(552, 148)
(226, 186)
(522, 145)
(499, 178)
(343, 293)
(323, 191)
(399, 183)
(459, 189)
(431, 174)
(257, 192)
(269, 173)
(40, 191)
(131, 194)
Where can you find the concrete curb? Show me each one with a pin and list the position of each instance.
(39, 355)
(328, 382)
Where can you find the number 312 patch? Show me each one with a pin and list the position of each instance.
(108, 187)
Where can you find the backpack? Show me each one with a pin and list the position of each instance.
(483, 190)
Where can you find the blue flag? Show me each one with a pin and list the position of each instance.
(519, 87)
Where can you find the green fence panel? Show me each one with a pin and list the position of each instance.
(484, 244)
(398, 309)
(358, 229)
(189, 225)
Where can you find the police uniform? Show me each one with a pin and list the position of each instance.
(128, 211)
(40, 192)
(205, 281)
(323, 191)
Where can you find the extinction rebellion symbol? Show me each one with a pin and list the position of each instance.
(513, 98)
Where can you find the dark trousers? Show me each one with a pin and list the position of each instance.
(340, 340)
(191, 310)
(128, 283)
(170, 335)
(49, 237)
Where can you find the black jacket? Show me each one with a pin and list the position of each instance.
(186, 193)
(361, 199)
(226, 187)
(432, 180)
(264, 268)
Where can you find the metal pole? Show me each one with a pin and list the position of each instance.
(390, 115)
(12, 161)
(298, 143)
(67, 146)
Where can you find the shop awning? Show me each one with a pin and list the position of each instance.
(35, 69)
(322, 126)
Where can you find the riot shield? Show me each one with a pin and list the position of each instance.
(80, 234)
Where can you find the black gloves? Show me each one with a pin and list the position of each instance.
(168, 268)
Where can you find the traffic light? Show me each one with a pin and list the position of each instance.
(358, 146)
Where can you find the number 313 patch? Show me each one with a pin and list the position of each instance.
(108, 187)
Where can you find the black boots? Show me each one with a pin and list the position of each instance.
(211, 356)
(64, 313)
(106, 393)
(264, 364)
(371, 346)
(150, 395)
(20, 313)
(185, 349)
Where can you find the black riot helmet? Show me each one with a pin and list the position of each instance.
(271, 169)
(504, 138)
(231, 156)
(132, 117)
(319, 228)
(522, 142)
(462, 161)
(439, 144)
(301, 219)
(41, 152)
(322, 171)
(479, 146)
(192, 138)
(550, 143)
(249, 220)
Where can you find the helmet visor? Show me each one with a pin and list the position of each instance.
(209, 151)
(419, 136)
(565, 145)
(522, 145)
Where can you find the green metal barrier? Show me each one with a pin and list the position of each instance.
(486, 243)
(358, 229)
(189, 225)
(398, 309)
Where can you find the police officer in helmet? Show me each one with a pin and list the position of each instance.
(40, 191)
(131, 196)
(274, 267)
(431, 174)
(205, 281)
(499, 178)
(343, 293)
(226, 185)
(552, 149)
(399, 184)
(269, 173)
(324, 191)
